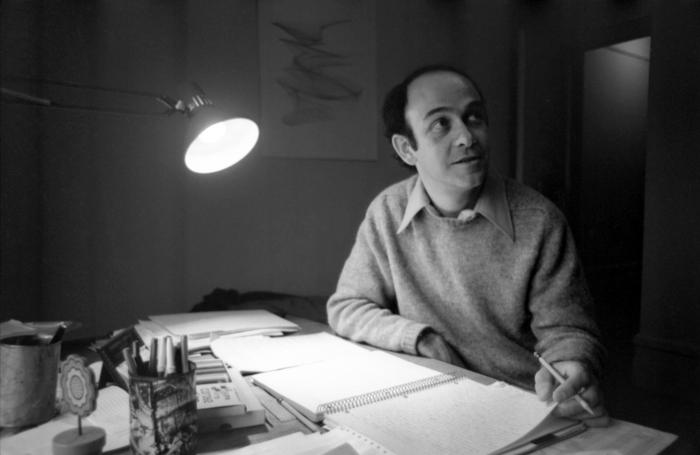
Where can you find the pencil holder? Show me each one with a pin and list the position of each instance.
(163, 414)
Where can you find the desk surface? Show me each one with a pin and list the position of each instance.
(274, 427)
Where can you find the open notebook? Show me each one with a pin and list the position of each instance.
(409, 408)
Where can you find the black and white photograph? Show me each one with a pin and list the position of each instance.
(398, 227)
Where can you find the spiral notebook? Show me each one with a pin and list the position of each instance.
(315, 388)
(404, 406)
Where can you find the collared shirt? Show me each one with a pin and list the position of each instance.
(492, 205)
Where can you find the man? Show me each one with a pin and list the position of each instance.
(459, 264)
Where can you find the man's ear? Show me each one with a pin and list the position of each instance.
(402, 147)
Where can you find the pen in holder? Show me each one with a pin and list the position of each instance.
(163, 414)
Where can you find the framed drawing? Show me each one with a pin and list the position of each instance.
(318, 79)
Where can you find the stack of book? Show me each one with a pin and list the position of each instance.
(224, 398)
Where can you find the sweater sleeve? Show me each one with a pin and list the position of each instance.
(560, 303)
(363, 307)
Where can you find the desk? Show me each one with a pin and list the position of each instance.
(272, 429)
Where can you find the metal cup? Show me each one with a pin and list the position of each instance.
(28, 373)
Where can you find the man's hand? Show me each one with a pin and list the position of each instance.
(433, 345)
(577, 379)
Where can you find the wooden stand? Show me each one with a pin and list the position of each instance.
(71, 442)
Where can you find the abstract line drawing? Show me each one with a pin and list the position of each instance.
(307, 80)
(318, 79)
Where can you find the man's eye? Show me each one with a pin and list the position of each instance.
(440, 125)
(474, 117)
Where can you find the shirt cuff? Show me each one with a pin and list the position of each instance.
(590, 354)
(410, 337)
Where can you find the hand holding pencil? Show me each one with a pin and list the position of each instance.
(574, 388)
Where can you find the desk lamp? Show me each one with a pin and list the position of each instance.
(216, 140)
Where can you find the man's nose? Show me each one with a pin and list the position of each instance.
(464, 138)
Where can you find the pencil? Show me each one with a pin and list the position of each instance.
(153, 358)
(169, 356)
(184, 353)
(160, 360)
(560, 379)
(129, 359)
(136, 353)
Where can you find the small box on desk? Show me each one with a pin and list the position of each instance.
(224, 399)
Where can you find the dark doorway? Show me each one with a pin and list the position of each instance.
(610, 180)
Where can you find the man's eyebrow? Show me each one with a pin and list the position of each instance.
(437, 110)
(476, 104)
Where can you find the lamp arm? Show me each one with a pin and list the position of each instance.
(26, 97)
(171, 104)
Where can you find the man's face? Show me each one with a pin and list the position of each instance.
(448, 120)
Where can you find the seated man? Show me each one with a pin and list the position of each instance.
(459, 264)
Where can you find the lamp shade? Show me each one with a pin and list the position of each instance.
(217, 141)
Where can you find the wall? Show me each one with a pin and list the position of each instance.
(126, 232)
(108, 187)
(20, 198)
(668, 344)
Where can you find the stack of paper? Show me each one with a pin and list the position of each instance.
(204, 327)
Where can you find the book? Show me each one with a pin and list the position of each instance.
(408, 408)
(255, 354)
(209, 324)
(226, 401)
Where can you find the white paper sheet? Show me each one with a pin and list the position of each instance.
(620, 438)
(258, 354)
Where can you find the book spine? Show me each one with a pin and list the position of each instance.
(357, 401)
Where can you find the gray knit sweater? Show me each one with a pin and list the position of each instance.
(494, 299)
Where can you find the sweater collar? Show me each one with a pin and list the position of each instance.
(492, 205)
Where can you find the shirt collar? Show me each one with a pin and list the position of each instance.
(492, 205)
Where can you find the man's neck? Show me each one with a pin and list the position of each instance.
(451, 203)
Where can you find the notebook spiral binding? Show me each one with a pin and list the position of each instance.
(356, 401)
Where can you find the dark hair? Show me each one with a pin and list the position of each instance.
(394, 108)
